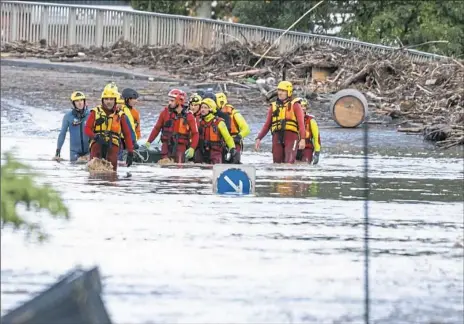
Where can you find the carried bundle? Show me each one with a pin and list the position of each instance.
(97, 165)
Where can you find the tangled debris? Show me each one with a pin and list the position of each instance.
(429, 95)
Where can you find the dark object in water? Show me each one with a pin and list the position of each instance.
(437, 132)
(144, 155)
(74, 299)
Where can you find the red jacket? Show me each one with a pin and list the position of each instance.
(165, 116)
(89, 127)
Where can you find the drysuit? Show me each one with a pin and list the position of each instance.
(78, 140)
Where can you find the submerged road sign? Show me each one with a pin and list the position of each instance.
(234, 179)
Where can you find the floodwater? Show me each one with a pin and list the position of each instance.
(172, 252)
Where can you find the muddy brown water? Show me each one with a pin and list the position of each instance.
(171, 251)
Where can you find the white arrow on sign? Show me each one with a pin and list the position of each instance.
(238, 189)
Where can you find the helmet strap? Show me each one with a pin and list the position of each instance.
(126, 101)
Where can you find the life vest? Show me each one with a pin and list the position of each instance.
(108, 126)
(309, 133)
(284, 115)
(210, 135)
(176, 127)
(230, 110)
(136, 116)
(123, 108)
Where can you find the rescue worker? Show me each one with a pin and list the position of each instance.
(219, 113)
(312, 137)
(74, 120)
(179, 130)
(121, 106)
(286, 121)
(213, 135)
(130, 97)
(238, 126)
(105, 126)
(194, 106)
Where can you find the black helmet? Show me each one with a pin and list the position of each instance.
(201, 93)
(210, 95)
(129, 93)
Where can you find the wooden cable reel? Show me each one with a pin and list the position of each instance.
(349, 108)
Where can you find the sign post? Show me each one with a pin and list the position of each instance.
(234, 179)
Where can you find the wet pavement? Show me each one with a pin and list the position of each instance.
(171, 251)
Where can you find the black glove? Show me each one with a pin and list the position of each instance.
(238, 139)
(130, 158)
(57, 153)
(99, 139)
(136, 146)
(316, 158)
(233, 153)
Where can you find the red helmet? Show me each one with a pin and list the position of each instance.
(178, 95)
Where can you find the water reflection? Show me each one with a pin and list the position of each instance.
(289, 187)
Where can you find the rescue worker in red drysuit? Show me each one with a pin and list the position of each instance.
(194, 106)
(105, 126)
(213, 135)
(312, 136)
(178, 129)
(286, 121)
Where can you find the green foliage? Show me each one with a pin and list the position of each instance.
(283, 13)
(409, 23)
(393, 22)
(174, 7)
(223, 9)
(18, 187)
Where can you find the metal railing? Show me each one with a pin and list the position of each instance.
(89, 26)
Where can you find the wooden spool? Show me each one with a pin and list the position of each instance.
(349, 108)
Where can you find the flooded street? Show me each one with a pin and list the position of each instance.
(172, 252)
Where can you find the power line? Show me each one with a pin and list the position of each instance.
(366, 224)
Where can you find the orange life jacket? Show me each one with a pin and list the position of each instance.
(176, 128)
(230, 110)
(136, 115)
(210, 136)
(309, 133)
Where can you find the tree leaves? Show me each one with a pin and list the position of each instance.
(409, 23)
(18, 187)
(393, 22)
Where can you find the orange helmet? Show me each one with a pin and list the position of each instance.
(178, 95)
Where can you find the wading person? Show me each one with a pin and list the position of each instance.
(238, 126)
(194, 106)
(74, 121)
(286, 121)
(214, 135)
(225, 117)
(130, 97)
(178, 127)
(312, 137)
(105, 125)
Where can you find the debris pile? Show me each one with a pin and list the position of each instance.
(429, 95)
